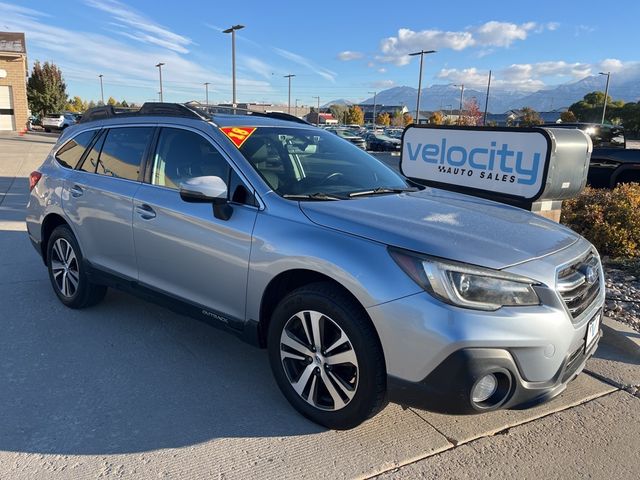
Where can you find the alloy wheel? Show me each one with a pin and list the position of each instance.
(319, 360)
(64, 268)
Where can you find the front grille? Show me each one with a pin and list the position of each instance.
(579, 284)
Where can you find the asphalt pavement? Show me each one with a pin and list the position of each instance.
(127, 389)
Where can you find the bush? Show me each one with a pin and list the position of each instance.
(610, 219)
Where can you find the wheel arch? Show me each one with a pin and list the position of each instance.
(49, 224)
(286, 282)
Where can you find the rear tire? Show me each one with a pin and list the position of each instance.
(331, 367)
(67, 271)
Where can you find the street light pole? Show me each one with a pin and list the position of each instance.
(159, 65)
(317, 112)
(290, 76)
(486, 102)
(461, 99)
(101, 89)
(232, 31)
(606, 94)
(206, 92)
(375, 94)
(296, 109)
(422, 53)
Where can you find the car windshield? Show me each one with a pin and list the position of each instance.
(302, 162)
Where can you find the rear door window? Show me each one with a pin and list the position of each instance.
(123, 151)
(71, 152)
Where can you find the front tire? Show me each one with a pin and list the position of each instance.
(326, 357)
(67, 271)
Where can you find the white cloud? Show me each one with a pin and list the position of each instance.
(383, 84)
(382, 70)
(84, 55)
(490, 34)
(300, 60)
(533, 76)
(259, 67)
(348, 55)
(138, 27)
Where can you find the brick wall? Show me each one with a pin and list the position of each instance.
(16, 69)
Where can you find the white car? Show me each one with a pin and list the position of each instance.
(58, 121)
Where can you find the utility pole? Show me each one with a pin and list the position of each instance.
(317, 112)
(101, 89)
(486, 102)
(290, 76)
(606, 94)
(422, 53)
(159, 65)
(375, 94)
(232, 31)
(461, 99)
(206, 90)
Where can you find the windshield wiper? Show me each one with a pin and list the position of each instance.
(313, 196)
(381, 190)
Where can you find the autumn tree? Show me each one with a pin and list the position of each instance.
(568, 117)
(76, 104)
(112, 101)
(407, 118)
(383, 119)
(436, 118)
(529, 117)
(355, 115)
(472, 113)
(46, 90)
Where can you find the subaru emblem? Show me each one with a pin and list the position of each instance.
(590, 275)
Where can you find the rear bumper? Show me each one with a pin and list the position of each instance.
(447, 389)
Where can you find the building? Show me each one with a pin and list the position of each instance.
(14, 109)
(298, 111)
(325, 118)
(367, 109)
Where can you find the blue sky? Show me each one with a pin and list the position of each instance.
(336, 49)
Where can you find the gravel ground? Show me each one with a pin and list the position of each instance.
(623, 293)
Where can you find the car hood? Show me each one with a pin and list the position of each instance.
(445, 224)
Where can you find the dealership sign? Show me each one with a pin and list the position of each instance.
(498, 161)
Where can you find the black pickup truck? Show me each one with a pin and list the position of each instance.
(611, 161)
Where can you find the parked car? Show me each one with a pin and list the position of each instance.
(58, 121)
(347, 135)
(611, 162)
(363, 287)
(379, 142)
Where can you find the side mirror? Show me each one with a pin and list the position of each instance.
(207, 190)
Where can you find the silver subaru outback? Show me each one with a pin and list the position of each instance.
(364, 287)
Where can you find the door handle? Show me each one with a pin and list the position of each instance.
(145, 211)
(76, 191)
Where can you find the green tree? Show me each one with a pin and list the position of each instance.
(529, 117)
(397, 119)
(91, 104)
(339, 112)
(568, 117)
(46, 90)
(383, 119)
(355, 115)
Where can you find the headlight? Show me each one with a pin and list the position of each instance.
(466, 285)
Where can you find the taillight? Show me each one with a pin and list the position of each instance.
(34, 178)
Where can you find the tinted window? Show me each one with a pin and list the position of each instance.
(181, 155)
(71, 152)
(90, 161)
(122, 152)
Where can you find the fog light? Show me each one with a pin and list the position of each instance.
(484, 388)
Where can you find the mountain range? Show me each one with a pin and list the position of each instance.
(446, 97)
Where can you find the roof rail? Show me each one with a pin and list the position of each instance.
(147, 109)
(230, 110)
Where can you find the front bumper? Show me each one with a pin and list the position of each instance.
(447, 389)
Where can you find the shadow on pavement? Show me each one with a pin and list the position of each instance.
(123, 376)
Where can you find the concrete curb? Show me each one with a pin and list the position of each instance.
(620, 336)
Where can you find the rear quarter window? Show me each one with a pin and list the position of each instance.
(122, 152)
(70, 153)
